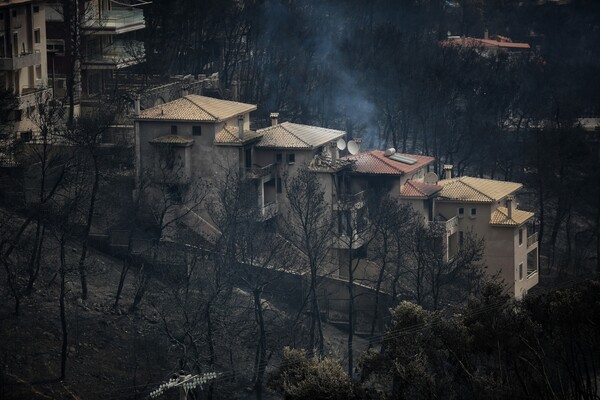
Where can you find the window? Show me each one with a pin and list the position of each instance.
(36, 9)
(461, 238)
(173, 129)
(248, 157)
(521, 271)
(278, 158)
(2, 46)
(344, 227)
(473, 212)
(38, 72)
(461, 212)
(279, 188)
(14, 13)
(291, 158)
(175, 194)
(26, 136)
(55, 46)
(520, 236)
(37, 36)
(15, 44)
(196, 130)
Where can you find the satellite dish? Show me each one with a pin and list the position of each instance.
(341, 144)
(353, 147)
(431, 178)
(389, 152)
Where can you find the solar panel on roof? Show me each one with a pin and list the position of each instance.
(403, 159)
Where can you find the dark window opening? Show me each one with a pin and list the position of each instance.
(279, 188)
(37, 36)
(520, 236)
(248, 156)
(278, 158)
(291, 158)
(173, 129)
(36, 9)
(473, 212)
(461, 238)
(521, 271)
(196, 130)
(461, 211)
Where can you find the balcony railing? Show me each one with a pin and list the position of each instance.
(23, 60)
(259, 172)
(32, 96)
(120, 54)
(115, 21)
(350, 200)
(531, 240)
(449, 226)
(269, 211)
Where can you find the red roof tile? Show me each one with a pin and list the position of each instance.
(419, 189)
(374, 162)
(476, 42)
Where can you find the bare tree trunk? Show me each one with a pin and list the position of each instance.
(211, 346)
(350, 311)
(88, 226)
(63, 316)
(261, 364)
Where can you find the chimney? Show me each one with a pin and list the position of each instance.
(234, 90)
(136, 105)
(509, 205)
(333, 150)
(274, 119)
(241, 126)
(448, 171)
(486, 34)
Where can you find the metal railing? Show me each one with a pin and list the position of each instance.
(259, 172)
(269, 211)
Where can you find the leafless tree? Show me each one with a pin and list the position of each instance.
(308, 225)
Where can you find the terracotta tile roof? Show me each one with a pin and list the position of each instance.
(230, 135)
(419, 189)
(295, 136)
(196, 108)
(476, 190)
(488, 43)
(172, 139)
(374, 162)
(500, 217)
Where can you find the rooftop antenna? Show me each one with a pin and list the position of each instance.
(341, 144)
(353, 147)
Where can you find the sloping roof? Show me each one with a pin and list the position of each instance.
(374, 162)
(500, 217)
(476, 190)
(295, 136)
(196, 108)
(488, 43)
(172, 139)
(419, 189)
(230, 135)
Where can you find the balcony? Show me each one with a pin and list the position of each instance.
(114, 22)
(120, 54)
(269, 211)
(258, 172)
(532, 240)
(349, 201)
(32, 96)
(23, 60)
(449, 226)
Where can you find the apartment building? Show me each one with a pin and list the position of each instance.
(23, 65)
(109, 46)
(197, 136)
(489, 209)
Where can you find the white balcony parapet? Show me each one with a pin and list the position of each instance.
(532, 239)
(114, 21)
